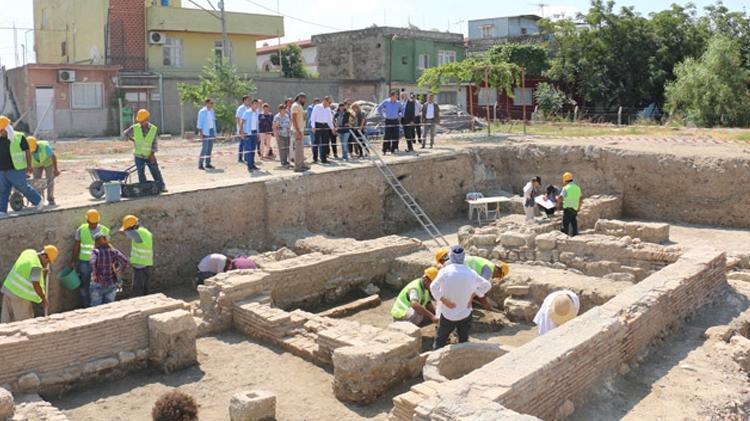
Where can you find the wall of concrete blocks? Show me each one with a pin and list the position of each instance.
(52, 354)
(550, 375)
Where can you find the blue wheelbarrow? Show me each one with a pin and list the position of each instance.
(100, 176)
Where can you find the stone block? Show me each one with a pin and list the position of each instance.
(28, 382)
(548, 241)
(621, 276)
(513, 239)
(520, 310)
(6, 404)
(739, 276)
(126, 357)
(722, 333)
(254, 405)
(741, 351)
(517, 290)
(100, 365)
(172, 340)
(407, 328)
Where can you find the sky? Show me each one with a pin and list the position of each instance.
(332, 15)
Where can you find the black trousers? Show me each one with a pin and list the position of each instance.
(321, 142)
(408, 132)
(390, 140)
(570, 222)
(445, 327)
(141, 279)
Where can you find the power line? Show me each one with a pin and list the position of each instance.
(292, 17)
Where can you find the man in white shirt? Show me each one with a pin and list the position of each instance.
(207, 127)
(238, 124)
(430, 119)
(321, 121)
(417, 118)
(211, 265)
(454, 288)
(249, 132)
(558, 308)
(531, 190)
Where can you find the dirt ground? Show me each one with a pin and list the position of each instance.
(685, 377)
(229, 363)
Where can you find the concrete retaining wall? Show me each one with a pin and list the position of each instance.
(52, 354)
(546, 376)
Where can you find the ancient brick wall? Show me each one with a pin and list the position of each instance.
(546, 376)
(50, 354)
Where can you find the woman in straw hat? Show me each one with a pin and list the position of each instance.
(558, 308)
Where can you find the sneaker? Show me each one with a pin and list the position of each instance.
(40, 206)
(50, 203)
(210, 167)
(253, 168)
(301, 169)
(201, 168)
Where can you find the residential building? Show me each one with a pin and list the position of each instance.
(154, 43)
(484, 33)
(392, 57)
(309, 56)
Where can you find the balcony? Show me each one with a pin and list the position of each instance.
(179, 19)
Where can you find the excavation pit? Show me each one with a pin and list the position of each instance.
(645, 286)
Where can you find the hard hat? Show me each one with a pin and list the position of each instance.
(504, 269)
(441, 255)
(92, 216)
(142, 115)
(4, 122)
(129, 221)
(431, 272)
(568, 176)
(51, 252)
(31, 141)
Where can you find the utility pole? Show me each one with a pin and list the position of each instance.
(15, 42)
(225, 50)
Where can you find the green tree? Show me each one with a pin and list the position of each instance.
(292, 65)
(499, 75)
(531, 57)
(712, 90)
(549, 99)
(219, 81)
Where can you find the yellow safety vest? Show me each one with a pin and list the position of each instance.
(17, 154)
(143, 142)
(41, 158)
(18, 280)
(87, 241)
(142, 254)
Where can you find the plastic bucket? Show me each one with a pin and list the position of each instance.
(112, 192)
(69, 279)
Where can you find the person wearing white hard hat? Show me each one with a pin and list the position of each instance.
(557, 309)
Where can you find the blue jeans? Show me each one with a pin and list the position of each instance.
(250, 146)
(206, 148)
(153, 168)
(102, 294)
(344, 139)
(84, 272)
(17, 179)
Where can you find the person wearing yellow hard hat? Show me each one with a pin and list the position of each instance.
(570, 198)
(15, 164)
(44, 162)
(83, 244)
(441, 256)
(557, 309)
(413, 303)
(486, 268)
(24, 285)
(141, 253)
(143, 134)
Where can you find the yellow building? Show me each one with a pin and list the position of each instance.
(146, 35)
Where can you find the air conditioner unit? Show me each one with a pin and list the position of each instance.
(67, 76)
(155, 37)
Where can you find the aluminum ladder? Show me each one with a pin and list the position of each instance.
(403, 194)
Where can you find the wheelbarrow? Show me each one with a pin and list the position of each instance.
(18, 201)
(99, 176)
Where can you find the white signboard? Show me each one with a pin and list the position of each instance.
(487, 96)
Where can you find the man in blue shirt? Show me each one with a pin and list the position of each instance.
(207, 127)
(238, 123)
(249, 132)
(392, 110)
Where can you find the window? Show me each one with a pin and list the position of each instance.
(63, 48)
(86, 95)
(219, 49)
(445, 57)
(165, 2)
(424, 62)
(404, 60)
(522, 96)
(524, 31)
(172, 52)
(136, 97)
(488, 31)
(45, 20)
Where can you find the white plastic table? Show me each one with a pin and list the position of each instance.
(482, 206)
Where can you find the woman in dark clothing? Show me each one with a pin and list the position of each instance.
(265, 129)
(551, 195)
